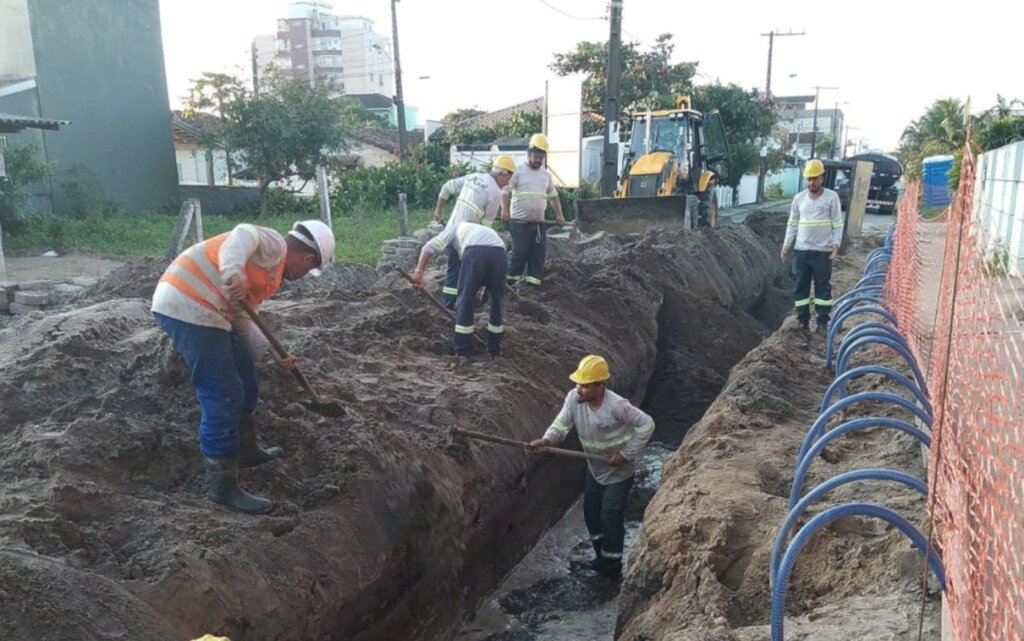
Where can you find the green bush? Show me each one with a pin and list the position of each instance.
(357, 191)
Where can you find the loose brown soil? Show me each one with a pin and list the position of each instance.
(383, 528)
(700, 568)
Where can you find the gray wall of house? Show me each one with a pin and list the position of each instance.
(218, 199)
(100, 65)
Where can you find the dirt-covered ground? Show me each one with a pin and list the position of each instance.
(383, 528)
(699, 570)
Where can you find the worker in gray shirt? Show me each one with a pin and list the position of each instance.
(610, 425)
(815, 230)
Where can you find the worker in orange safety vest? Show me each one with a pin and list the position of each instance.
(194, 303)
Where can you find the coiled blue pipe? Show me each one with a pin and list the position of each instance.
(846, 351)
(849, 303)
(867, 289)
(868, 328)
(839, 385)
(874, 266)
(881, 251)
(831, 484)
(834, 514)
(818, 427)
(845, 428)
(837, 320)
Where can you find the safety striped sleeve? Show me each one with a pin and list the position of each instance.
(240, 245)
(451, 188)
(794, 221)
(440, 242)
(837, 222)
(642, 428)
(563, 423)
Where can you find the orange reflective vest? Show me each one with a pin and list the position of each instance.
(196, 273)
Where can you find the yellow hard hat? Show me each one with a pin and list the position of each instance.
(813, 168)
(506, 163)
(592, 369)
(539, 141)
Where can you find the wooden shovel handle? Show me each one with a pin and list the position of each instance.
(523, 444)
(279, 348)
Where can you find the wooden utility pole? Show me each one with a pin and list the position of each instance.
(403, 145)
(768, 98)
(814, 126)
(610, 169)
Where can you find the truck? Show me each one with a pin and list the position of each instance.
(886, 172)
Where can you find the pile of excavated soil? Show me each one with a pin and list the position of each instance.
(699, 570)
(383, 529)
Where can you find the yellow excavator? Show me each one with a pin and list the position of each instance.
(675, 159)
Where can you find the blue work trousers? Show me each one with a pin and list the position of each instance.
(481, 267)
(529, 246)
(224, 378)
(604, 510)
(451, 279)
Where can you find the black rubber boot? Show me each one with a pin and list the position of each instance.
(597, 548)
(250, 454)
(222, 486)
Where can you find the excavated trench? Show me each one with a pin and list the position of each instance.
(385, 528)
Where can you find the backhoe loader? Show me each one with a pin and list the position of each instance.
(674, 160)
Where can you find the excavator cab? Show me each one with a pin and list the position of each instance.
(675, 158)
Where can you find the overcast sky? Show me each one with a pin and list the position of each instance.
(889, 59)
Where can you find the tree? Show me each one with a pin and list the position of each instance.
(287, 130)
(213, 93)
(745, 118)
(519, 124)
(23, 168)
(941, 130)
(649, 79)
(459, 115)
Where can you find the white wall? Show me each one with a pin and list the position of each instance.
(999, 203)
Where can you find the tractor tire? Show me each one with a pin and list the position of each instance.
(707, 211)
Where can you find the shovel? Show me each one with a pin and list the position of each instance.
(524, 445)
(433, 299)
(331, 409)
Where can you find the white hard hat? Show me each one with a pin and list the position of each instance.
(318, 236)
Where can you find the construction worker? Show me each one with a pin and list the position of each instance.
(523, 203)
(482, 253)
(194, 303)
(610, 425)
(815, 230)
(479, 198)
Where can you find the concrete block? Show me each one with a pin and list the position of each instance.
(4, 305)
(32, 298)
(18, 308)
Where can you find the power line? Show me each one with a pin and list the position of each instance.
(568, 15)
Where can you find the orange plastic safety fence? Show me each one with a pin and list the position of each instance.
(965, 321)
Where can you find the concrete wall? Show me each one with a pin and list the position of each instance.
(220, 200)
(16, 59)
(100, 65)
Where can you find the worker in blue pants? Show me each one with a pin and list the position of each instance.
(483, 265)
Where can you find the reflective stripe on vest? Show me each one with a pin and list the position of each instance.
(196, 273)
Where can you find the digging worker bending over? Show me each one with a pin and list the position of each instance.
(194, 303)
(524, 202)
(482, 253)
(816, 229)
(607, 424)
(479, 198)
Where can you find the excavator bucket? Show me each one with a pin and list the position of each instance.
(635, 215)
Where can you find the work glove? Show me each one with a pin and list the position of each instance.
(236, 287)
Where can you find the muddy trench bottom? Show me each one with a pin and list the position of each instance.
(554, 594)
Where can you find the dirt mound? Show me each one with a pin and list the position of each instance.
(134, 279)
(700, 567)
(383, 528)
